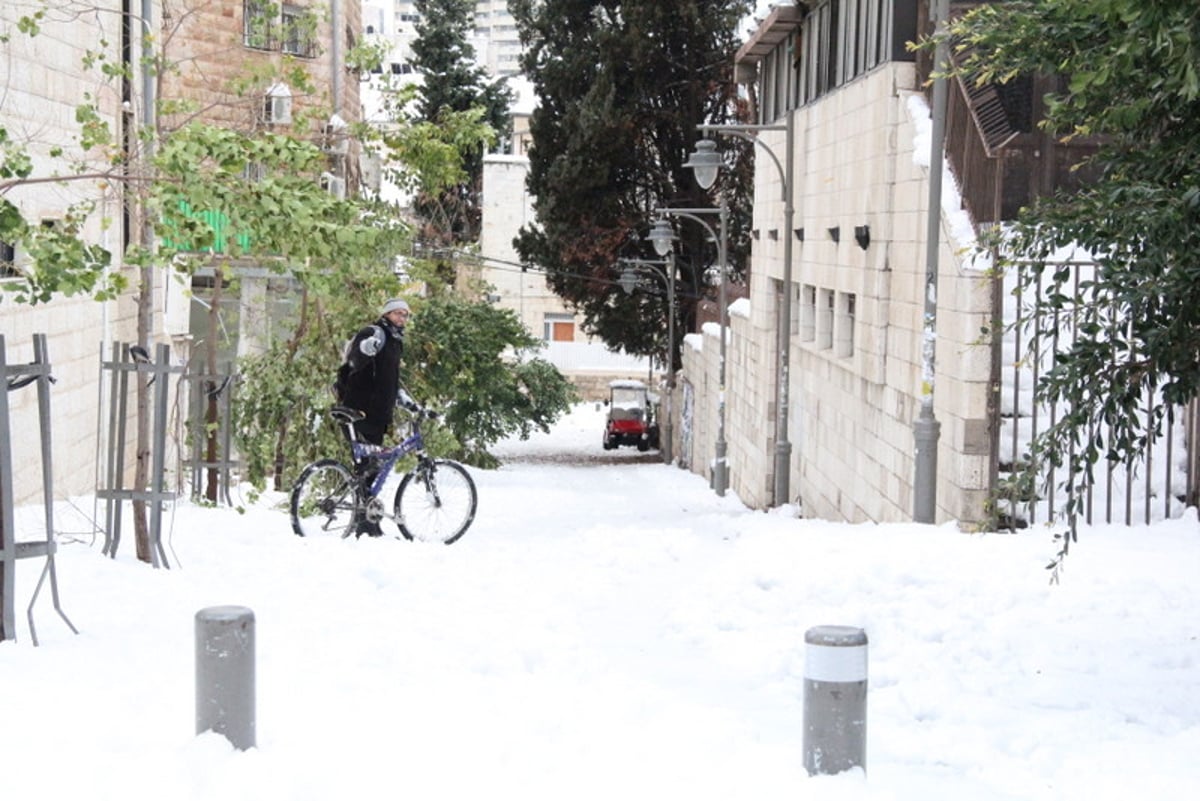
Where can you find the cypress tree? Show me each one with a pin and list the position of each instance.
(621, 88)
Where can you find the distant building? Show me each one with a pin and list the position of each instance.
(498, 46)
(507, 207)
(494, 39)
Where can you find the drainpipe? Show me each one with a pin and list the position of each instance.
(335, 55)
(926, 428)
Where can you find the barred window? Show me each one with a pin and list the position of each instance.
(259, 24)
(299, 32)
(287, 27)
(8, 257)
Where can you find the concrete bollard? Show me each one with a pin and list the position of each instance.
(835, 699)
(225, 673)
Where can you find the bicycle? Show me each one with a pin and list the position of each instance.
(435, 501)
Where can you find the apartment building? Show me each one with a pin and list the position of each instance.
(226, 57)
(43, 79)
(495, 40)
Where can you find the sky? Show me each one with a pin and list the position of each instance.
(610, 628)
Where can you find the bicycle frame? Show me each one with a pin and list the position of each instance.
(386, 458)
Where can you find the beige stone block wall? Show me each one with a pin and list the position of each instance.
(850, 416)
(750, 409)
(506, 209)
(208, 44)
(45, 82)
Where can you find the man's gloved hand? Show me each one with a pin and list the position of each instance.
(406, 402)
(372, 344)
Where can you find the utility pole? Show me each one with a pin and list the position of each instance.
(926, 428)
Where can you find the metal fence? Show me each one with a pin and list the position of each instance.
(1158, 484)
(12, 548)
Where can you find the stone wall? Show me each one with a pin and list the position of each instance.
(855, 368)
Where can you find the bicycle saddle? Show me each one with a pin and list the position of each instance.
(344, 414)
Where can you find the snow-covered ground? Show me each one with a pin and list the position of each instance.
(609, 628)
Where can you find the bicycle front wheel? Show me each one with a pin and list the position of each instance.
(324, 500)
(436, 502)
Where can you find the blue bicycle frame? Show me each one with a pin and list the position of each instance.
(386, 458)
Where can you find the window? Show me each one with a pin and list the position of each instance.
(254, 172)
(289, 28)
(299, 32)
(277, 105)
(844, 329)
(837, 41)
(258, 29)
(808, 313)
(8, 259)
(558, 328)
(825, 319)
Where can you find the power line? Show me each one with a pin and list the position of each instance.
(514, 266)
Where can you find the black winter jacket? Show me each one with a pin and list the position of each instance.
(370, 382)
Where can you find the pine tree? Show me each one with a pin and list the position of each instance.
(454, 83)
(621, 88)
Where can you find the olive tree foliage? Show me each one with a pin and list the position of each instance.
(285, 392)
(1132, 79)
(59, 260)
(177, 172)
(622, 85)
(456, 358)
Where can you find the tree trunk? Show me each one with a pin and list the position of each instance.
(212, 449)
(293, 346)
(141, 476)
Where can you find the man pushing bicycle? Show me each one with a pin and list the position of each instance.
(369, 381)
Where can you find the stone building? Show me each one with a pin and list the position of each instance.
(851, 305)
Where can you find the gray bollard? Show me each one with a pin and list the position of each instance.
(835, 699)
(225, 673)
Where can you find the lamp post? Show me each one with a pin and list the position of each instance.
(664, 269)
(706, 162)
(926, 428)
(720, 464)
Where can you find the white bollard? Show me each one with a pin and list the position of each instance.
(835, 699)
(225, 673)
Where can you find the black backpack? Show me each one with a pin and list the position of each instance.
(341, 382)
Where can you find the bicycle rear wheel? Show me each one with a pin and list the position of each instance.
(436, 502)
(324, 500)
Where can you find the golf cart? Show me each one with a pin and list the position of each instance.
(630, 416)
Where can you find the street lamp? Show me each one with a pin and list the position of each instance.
(720, 464)
(628, 281)
(706, 163)
(926, 428)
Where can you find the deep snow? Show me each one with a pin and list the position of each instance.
(609, 628)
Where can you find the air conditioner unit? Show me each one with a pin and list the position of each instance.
(277, 105)
(334, 185)
(336, 142)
